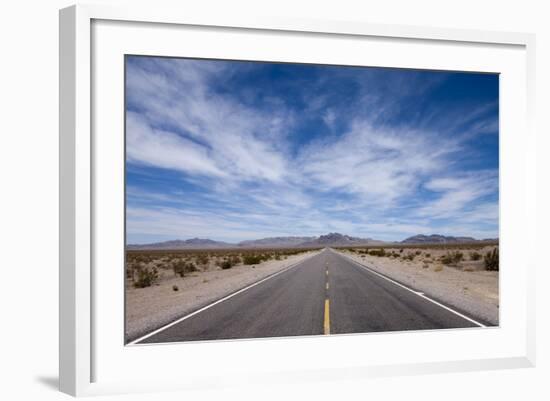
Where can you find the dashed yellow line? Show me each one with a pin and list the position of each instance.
(326, 324)
(327, 317)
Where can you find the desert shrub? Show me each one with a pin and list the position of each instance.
(175, 288)
(491, 260)
(203, 259)
(381, 252)
(252, 259)
(181, 267)
(142, 259)
(418, 252)
(438, 268)
(409, 256)
(235, 260)
(428, 255)
(226, 264)
(132, 269)
(452, 258)
(475, 255)
(401, 251)
(146, 277)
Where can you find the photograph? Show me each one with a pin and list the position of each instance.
(269, 199)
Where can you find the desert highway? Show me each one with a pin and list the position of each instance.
(327, 293)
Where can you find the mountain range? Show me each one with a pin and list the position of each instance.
(193, 243)
(330, 239)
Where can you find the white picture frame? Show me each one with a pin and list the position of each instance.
(82, 345)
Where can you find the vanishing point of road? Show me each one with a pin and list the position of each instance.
(327, 293)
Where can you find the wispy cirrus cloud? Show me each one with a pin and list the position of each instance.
(379, 165)
(164, 149)
(174, 98)
(456, 193)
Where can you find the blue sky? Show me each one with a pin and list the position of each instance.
(233, 150)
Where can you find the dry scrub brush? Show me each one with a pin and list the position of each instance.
(491, 260)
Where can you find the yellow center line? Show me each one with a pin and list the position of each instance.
(327, 307)
(327, 317)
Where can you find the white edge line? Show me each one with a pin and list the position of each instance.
(420, 294)
(181, 319)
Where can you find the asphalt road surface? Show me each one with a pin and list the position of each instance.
(325, 294)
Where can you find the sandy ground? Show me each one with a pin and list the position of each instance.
(467, 286)
(150, 308)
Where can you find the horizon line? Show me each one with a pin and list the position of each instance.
(307, 236)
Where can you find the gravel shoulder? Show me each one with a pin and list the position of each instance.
(152, 307)
(474, 291)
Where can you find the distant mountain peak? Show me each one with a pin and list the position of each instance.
(277, 242)
(436, 239)
(337, 239)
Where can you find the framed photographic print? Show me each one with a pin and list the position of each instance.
(246, 190)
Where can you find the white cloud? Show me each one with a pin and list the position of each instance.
(242, 142)
(378, 165)
(329, 118)
(486, 126)
(457, 193)
(166, 150)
